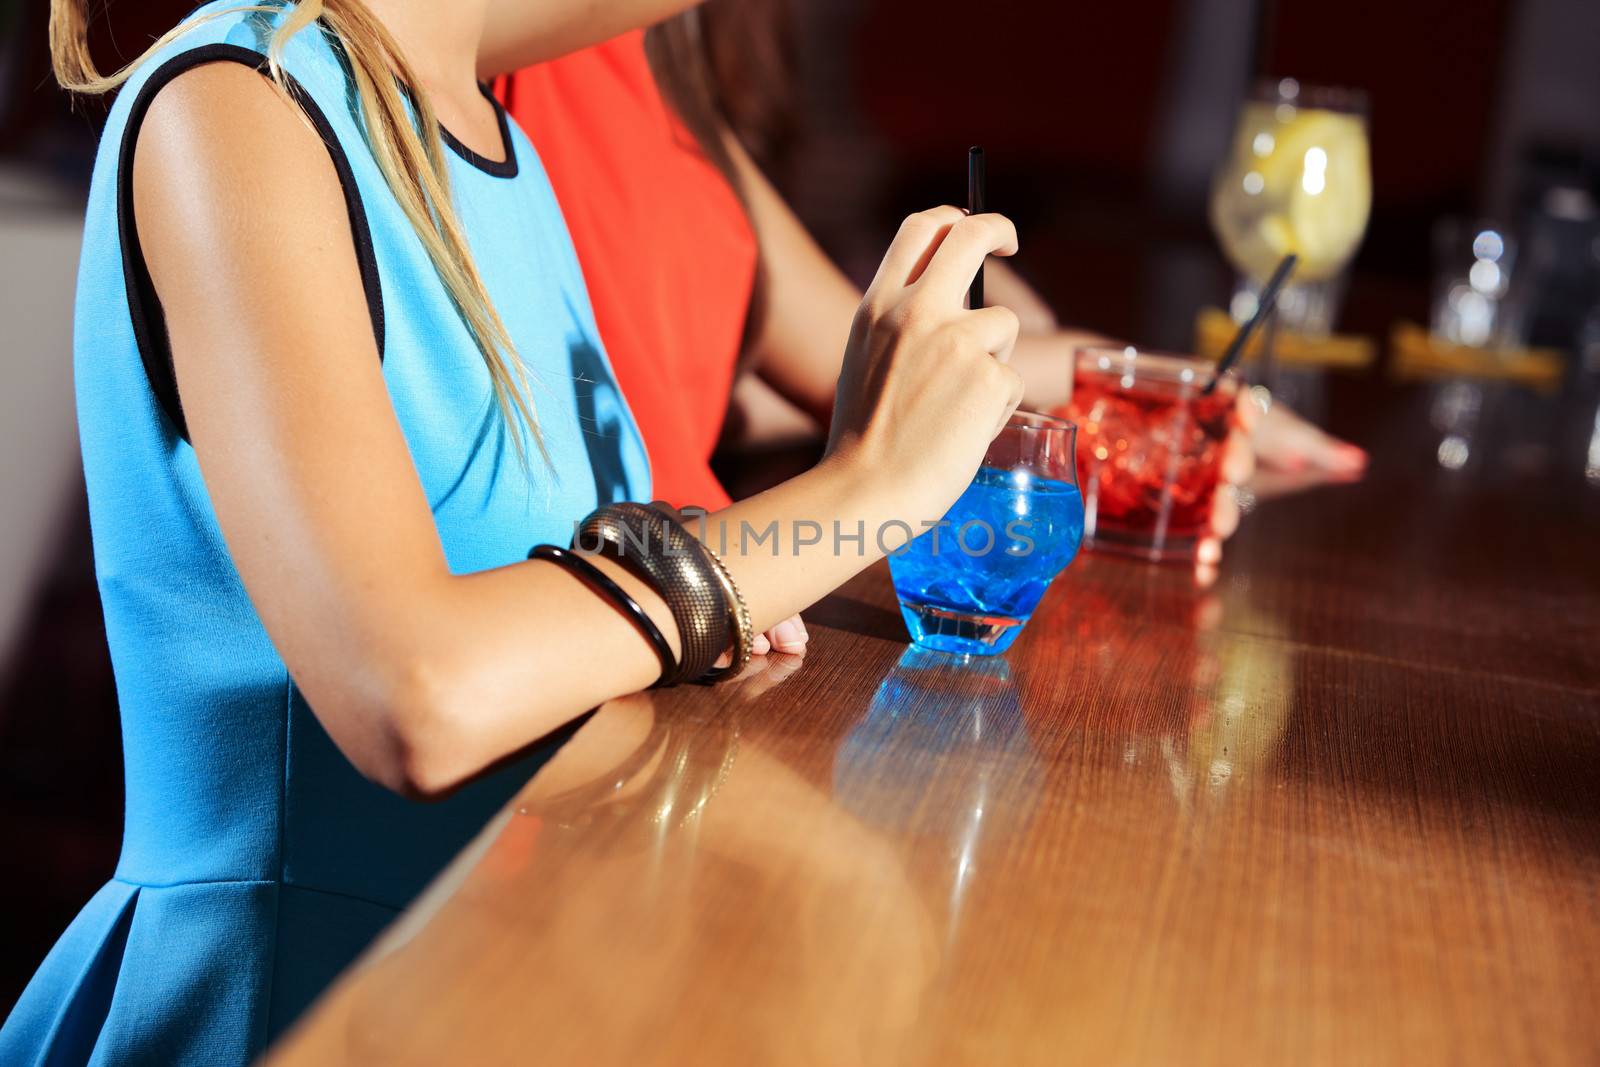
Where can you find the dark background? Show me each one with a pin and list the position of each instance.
(1102, 124)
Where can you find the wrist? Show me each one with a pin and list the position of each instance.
(866, 483)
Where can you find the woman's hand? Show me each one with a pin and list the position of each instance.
(788, 637)
(924, 387)
(1284, 441)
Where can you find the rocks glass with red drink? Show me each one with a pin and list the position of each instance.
(1149, 448)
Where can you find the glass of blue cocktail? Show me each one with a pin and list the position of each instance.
(969, 584)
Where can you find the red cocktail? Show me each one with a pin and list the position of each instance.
(1149, 448)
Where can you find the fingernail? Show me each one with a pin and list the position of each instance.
(788, 635)
(760, 645)
(1346, 460)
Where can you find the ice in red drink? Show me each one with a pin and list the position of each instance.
(1149, 449)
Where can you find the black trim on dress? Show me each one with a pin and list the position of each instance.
(502, 168)
(144, 306)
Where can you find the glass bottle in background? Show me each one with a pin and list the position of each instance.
(1297, 178)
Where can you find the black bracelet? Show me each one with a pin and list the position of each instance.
(597, 579)
(657, 548)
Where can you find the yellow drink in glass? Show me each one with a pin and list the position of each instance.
(1297, 179)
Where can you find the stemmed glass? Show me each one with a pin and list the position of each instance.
(1297, 179)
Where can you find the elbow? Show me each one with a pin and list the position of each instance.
(424, 724)
(426, 751)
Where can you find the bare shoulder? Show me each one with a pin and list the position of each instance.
(244, 228)
(246, 233)
(223, 154)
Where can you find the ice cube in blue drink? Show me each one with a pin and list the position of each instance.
(969, 585)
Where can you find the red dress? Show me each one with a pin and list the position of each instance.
(667, 251)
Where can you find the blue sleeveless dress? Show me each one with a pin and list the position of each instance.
(257, 862)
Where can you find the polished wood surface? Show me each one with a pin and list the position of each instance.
(1341, 805)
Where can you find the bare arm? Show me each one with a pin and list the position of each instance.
(810, 302)
(424, 678)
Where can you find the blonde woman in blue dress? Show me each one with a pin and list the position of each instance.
(336, 374)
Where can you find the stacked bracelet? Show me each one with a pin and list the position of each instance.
(710, 614)
(741, 631)
(656, 547)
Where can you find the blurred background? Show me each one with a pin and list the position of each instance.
(1152, 154)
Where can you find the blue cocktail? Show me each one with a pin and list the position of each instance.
(969, 584)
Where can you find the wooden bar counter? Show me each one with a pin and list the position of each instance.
(1340, 806)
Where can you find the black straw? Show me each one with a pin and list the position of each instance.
(1264, 305)
(977, 204)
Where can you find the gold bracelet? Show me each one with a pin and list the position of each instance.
(744, 637)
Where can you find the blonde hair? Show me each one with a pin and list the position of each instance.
(409, 152)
